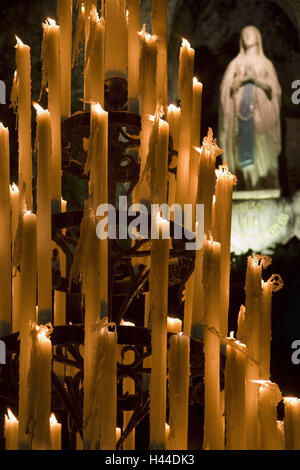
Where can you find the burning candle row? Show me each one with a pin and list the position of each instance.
(12, 432)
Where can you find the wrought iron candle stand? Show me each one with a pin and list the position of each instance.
(126, 284)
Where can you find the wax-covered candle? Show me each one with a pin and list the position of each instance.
(206, 177)
(158, 303)
(5, 239)
(292, 423)
(269, 396)
(11, 431)
(185, 94)
(213, 438)
(179, 372)
(235, 380)
(64, 12)
(28, 315)
(116, 38)
(24, 119)
(39, 388)
(133, 54)
(44, 149)
(251, 337)
(55, 433)
(160, 29)
(94, 59)
(128, 387)
(51, 76)
(221, 231)
(195, 139)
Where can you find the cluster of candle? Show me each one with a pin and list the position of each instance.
(243, 416)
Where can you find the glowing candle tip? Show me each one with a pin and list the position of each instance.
(185, 43)
(11, 416)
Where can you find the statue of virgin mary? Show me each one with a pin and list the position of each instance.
(249, 115)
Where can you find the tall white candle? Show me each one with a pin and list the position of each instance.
(158, 302)
(195, 139)
(269, 396)
(24, 119)
(15, 209)
(173, 118)
(55, 433)
(51, 75)
(5, 239)
(213, 439)
(205, 191)
(64, 12)
(11, 431)
(235, 377)
(133, 54)
(39, 388)
(206, 177)
(158, 156)
(265, 332)
(90, 289)
(44, 148)
(292, 423)
(116, 38)
(94, 59)
(280, 436)
(251, 337)
(185, 94)
(179, 372)
(160, 29)
(221, 231)
(107, 380)
(59, 296)
(98, 156)
(147, 77)
(28, 315)
(128, 387)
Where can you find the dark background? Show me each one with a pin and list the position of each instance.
(213, 28)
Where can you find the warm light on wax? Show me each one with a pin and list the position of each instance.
(55, 433)
(11, 431)
(174, 325)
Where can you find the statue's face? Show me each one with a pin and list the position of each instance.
(249, 37)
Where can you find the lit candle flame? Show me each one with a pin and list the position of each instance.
(19, 42)
(10, 416)
(94, 14)
(14, 188)
(185, 43)
(196, 81)
(127, 323)
(38, 108)
(98, 108)
(261, 382)
(173, 108)
(82, 9)
(51, 22)
(42, 332)
(198, 149)
(291, 400)
(53, 419)
(146, 36)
